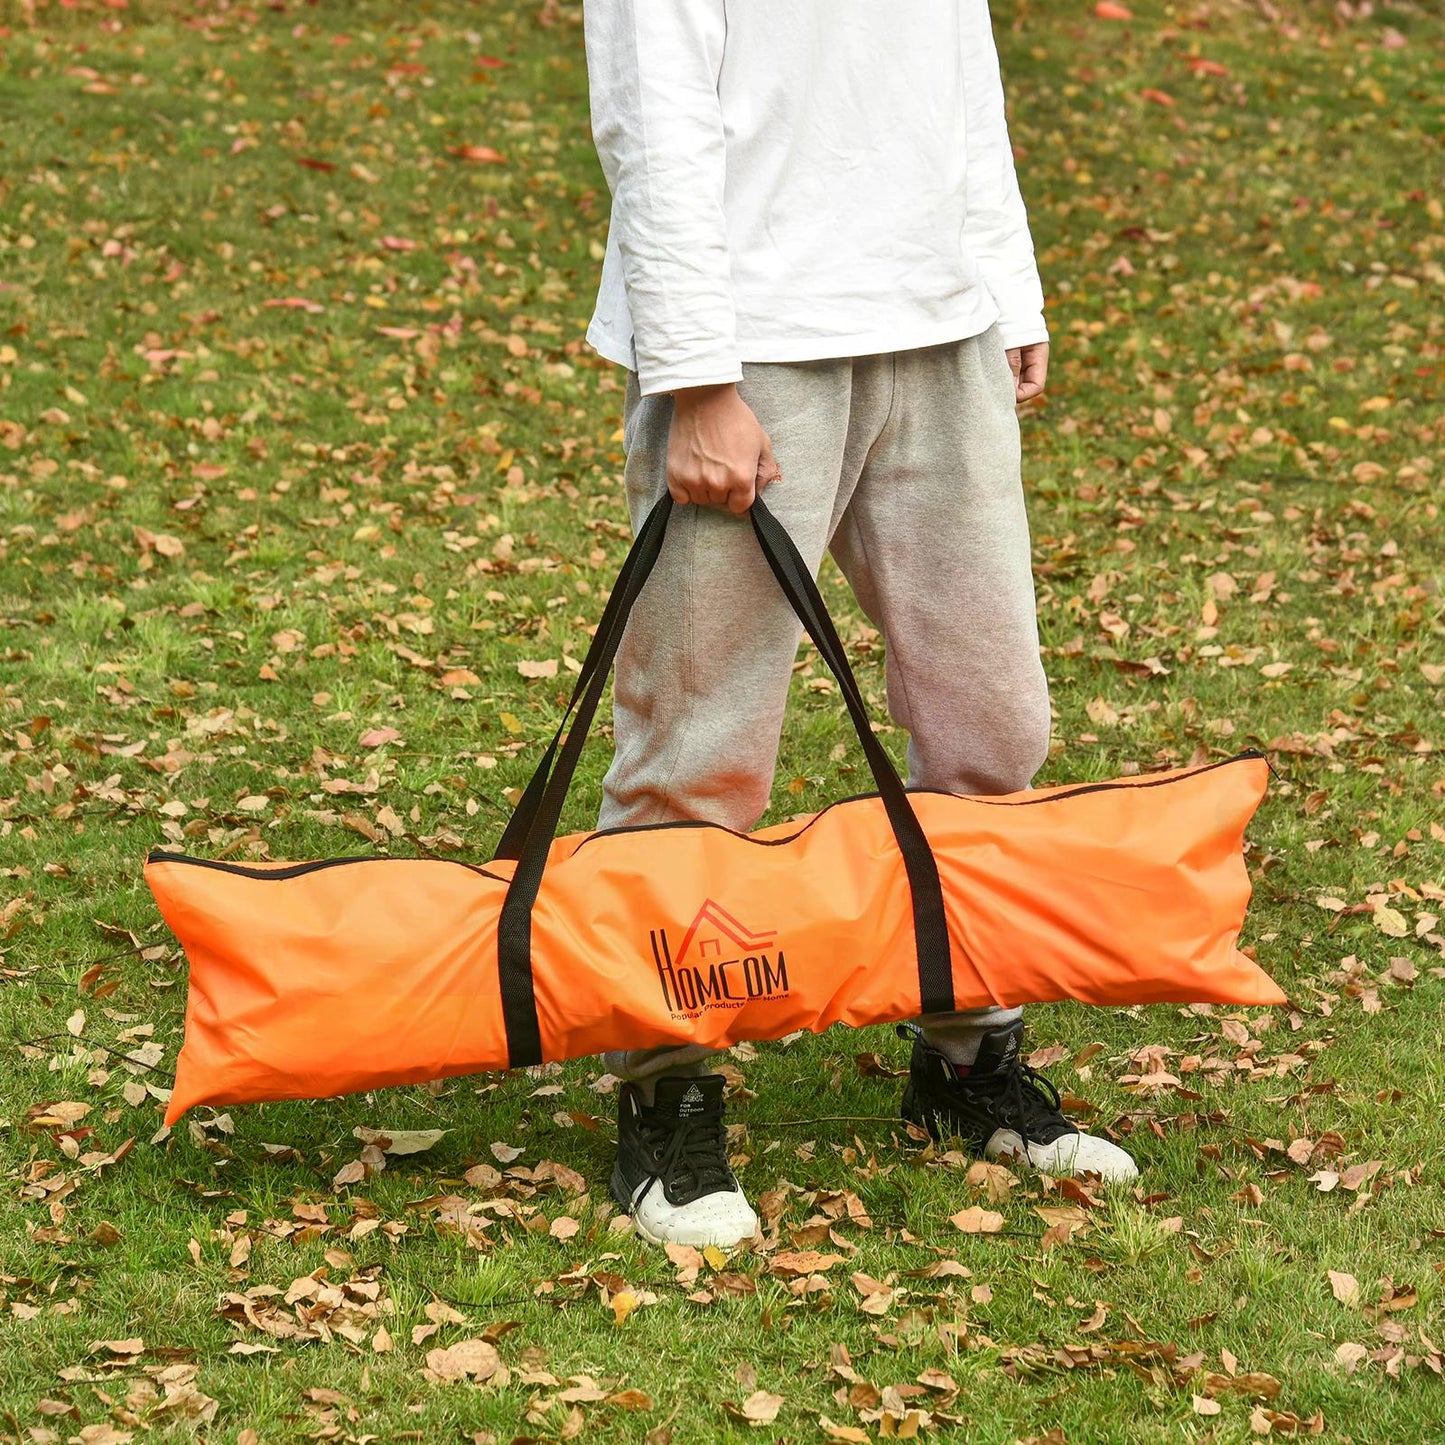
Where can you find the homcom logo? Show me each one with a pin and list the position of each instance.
(718, 964)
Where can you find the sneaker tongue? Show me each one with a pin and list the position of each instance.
(999, 1049)
(681, 1098)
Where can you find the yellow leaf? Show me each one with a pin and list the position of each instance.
(1391, 921)
(714, 1256)
(623, 1303)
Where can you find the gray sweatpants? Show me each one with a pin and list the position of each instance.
(906, 467)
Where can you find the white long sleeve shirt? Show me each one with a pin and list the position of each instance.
(800, 179)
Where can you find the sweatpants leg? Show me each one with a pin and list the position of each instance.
(935, 543)
(910, 464)
(702, 675)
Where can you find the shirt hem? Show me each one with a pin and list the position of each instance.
(782, 349)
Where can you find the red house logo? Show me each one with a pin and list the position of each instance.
(720, 963)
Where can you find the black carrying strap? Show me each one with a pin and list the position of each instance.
(633, 573)
(930, 921)
(540, 809)
(533, 827)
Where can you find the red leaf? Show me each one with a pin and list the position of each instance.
(1159, 97)
(295, 303)
(1200, 66)
(477, 153)
(489, 62)
(397, 243)
(315, 165)
(1109, 10)
(379, 737)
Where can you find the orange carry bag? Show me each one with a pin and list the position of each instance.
(314, 979)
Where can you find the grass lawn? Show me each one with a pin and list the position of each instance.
(304, 463)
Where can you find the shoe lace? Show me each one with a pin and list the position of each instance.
(1028, 1102)
(691, 1156)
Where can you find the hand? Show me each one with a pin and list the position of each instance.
(1030, 366)
(718, 455)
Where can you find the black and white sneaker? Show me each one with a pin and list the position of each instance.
(672, 1174)
(1000, 1106)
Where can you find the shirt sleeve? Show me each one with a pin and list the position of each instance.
(653, 67)
(997, 227)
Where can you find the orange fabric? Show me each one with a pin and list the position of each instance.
(313, 980)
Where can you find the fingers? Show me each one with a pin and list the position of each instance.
(732, 493)
(769, 471)
(1030, 371)
(718, 455)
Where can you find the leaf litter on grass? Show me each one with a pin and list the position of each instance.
(299, 483)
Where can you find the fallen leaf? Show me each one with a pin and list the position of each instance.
(484, 154)
(1351, 1355)
(1390, 921)
(630, 1400)
(379, 737)
(399, 1141)
(1358, 1175)
(761, 1408)
(1346, 1288)
(795, 1264)
(352, 1173)
(976, 1220)
(467, 1359)
(56, 1116)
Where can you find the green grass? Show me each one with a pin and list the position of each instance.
(1237, 469)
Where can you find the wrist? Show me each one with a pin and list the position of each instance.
(686, 398)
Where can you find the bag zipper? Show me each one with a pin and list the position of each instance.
(1247, 755)
(296, 870)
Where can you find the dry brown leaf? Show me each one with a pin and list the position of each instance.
(792, 1264)
(761, 1408)
(631, 1400)
(352, 1173)
(467, 1359)
(399, 1141)
(976, 1220)
(55, 1116)
(379, 737)
(1346, 1288)
(1351, 1355)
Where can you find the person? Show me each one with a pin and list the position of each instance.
(820, 278)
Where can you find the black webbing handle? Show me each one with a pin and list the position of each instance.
(533, 827)
(540, 809)
(629, 581)
(930, 920)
